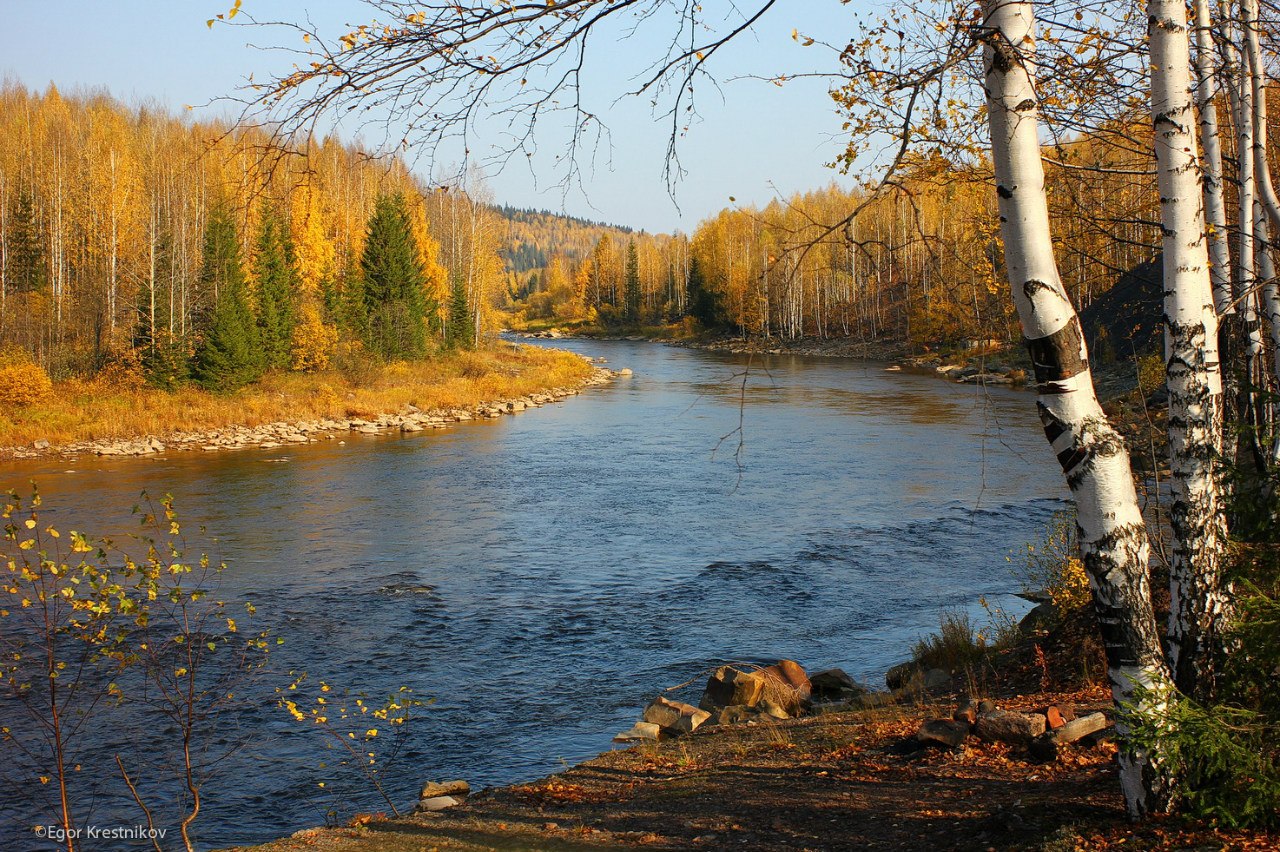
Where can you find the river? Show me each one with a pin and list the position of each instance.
(543, 575)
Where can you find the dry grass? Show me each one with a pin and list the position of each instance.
(95, 410)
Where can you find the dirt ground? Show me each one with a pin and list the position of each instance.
(832, 782)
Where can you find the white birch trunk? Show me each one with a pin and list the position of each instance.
(1215, 203)
(1199, 605)
(1270, 298)
(1094, 459)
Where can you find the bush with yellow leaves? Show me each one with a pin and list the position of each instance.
(22, 382)
(1053, 567)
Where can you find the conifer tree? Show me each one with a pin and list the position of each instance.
(230, 353)
(26, 272)
(275, 280)
(393, 282)
(701, 301)
(632, 290)
(459, 333)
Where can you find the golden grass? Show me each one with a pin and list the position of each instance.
(81, 410)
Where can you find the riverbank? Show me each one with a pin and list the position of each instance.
(115, 419)
(976, 362)
(841, 780)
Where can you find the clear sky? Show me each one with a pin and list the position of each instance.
(754, 140)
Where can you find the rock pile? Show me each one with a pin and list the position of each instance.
(738, 696)
(1041, 734)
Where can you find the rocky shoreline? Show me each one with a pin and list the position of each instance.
(281, 433)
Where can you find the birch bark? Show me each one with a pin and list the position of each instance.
(1199, 605)
(1094, 459)
(1215, 203)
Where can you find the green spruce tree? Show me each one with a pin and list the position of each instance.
(26, 272)
(275, 280)
(459, 333)
(631, 290)
(395, 307)
(230, 352)
(702, 303)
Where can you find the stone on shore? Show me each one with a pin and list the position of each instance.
(834, 685)
(640, 732)
(787, 686)
(675, 717)
(946, 733)
(1007, 726)
(730, 687)
(434, 789)
(437, 803)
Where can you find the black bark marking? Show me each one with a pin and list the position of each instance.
(1003, 191)
(1026, 106)
(1058, 356)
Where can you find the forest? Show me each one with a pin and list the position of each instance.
(131, 236)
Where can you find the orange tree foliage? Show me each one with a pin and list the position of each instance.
(109, 202)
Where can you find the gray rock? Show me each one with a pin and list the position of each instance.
(1080, 728)
(1006, 726)
(675, 717)
(833, 684)
(437, 803)
(41, 444)
(640, 732)
(947, 733)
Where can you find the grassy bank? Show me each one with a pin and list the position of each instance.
(114, 406)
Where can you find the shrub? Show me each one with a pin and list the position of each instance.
(23, 383)
(957, 646)
(1150, 373)
(1053, 567)
(1226, 759)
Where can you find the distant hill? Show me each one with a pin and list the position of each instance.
(534, 235)
(1127, 318)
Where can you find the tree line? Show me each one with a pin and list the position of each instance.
(129, 233)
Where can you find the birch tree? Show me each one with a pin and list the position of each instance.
(1094, 459)
(1199, 605)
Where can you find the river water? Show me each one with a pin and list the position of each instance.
(542, 576)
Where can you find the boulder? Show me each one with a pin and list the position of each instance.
(731, 687)
(945, 733)
(1006, 726)
(640, 732)
(675, 717)
(834, 684)
(432, 789)
(786, 685)
(437, 803)
(41, 444)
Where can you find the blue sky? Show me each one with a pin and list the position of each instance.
(753, 141)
